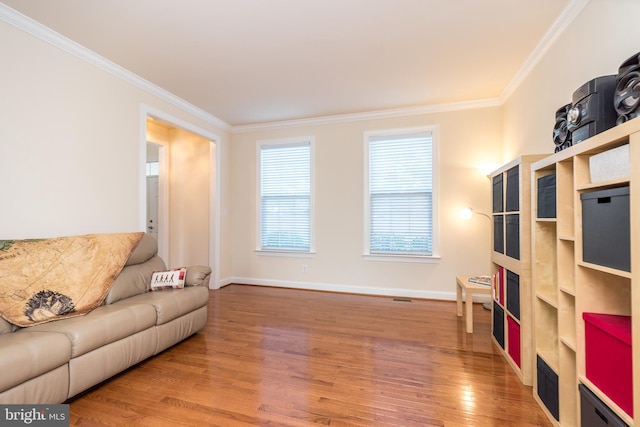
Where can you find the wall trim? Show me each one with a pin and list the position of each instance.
(350, 289)
(567, 16)
(46, 34)
(371, 115)
(38, 30)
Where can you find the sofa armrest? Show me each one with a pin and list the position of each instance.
(198, 275)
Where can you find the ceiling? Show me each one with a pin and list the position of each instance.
(258, 61)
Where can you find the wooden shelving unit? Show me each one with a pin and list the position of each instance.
(565, 286)
(511, 265)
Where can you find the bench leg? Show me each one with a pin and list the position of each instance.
(468, 303)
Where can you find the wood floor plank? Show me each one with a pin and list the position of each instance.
(285, 357)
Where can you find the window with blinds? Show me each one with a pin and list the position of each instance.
(285, 196)
(400, 193)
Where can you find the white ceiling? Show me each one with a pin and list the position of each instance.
(257, 61)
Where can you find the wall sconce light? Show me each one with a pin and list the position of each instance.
(467, 213)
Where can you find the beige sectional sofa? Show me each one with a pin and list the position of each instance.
(53, 362)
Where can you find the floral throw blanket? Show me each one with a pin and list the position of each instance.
(48, 279)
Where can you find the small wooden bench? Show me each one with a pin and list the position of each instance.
(470, 289)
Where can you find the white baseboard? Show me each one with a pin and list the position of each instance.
(351, 289)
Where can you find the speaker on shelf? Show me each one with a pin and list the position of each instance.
(592, 111)
(561, 135)
(626, 99)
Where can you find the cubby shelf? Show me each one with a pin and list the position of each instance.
(565, 286)
(511, 260)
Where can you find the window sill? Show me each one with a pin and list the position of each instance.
(284, 253)
(425, 259)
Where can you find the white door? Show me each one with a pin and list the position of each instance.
(152, 206)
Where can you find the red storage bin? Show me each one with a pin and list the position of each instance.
(513, 339)
(608, 356)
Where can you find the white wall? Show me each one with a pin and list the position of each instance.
(595, 44)
(70, 158)
(188, 195)
(467, 139)
(70, 144)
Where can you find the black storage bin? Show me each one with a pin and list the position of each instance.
(512, 199)
(498, 233)
(594, 413)
(513, 235)
(498, 323)
(606, 228)
(548, 387)
(497, 194)
(547, 196)
(513, 294)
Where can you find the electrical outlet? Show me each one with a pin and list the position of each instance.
(305, 268)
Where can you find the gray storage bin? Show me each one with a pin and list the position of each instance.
(498, 233)
(498, 194)
(513, 294)
(512, 235)
(498, 323)
(606, 228)
(547, 196)
(548, 390)
(594, 413)
(512, 199)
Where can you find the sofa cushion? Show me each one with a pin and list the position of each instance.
(198, 275)
(134, 280)
(50, 387)
(27, 356)
(6, 327)
(145, 250)
(102, 326)
(172, 303)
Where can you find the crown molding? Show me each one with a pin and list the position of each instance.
(38, 30)
(371, 115)
(46, 34)
(567, 16)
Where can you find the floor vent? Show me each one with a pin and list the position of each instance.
(403, 299)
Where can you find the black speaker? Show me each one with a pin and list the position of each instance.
(561, 135)
(626, 99)
(592, 111)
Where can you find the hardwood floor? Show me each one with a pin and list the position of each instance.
(283, 357)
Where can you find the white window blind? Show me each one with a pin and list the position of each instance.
(285, 197)
(400, 194)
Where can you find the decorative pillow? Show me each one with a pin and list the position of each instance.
(170, 279)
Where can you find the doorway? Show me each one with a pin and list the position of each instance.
(156, 206)
(183, 183)
(153, 194)
(152, 206)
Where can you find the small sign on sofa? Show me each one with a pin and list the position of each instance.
(170, 279)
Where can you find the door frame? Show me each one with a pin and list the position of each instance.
(147, 111)
(163, 197)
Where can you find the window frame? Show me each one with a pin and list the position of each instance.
(435, 246)
(282, 142)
